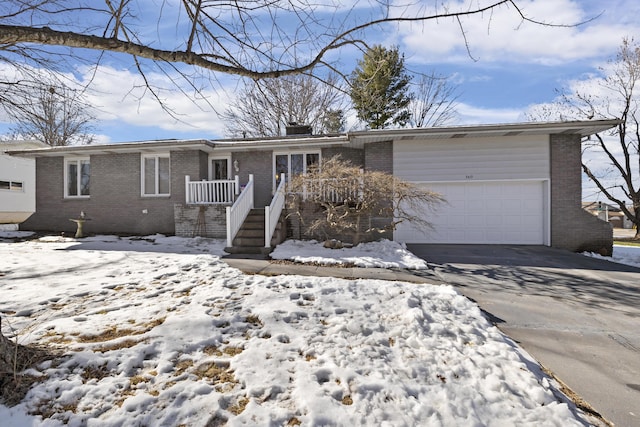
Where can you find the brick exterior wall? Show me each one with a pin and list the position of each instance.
(52, 210)
(260, 164)
(353, 155)
(205, 221)
(116, 204)
(572, 227)
(378, 156)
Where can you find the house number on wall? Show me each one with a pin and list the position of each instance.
(469, 177)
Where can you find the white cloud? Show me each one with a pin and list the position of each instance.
(473, 115)
(501, 36)
(120, 95)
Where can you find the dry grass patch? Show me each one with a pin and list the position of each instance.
(217, 373)
(95, 372)
(56, 338)
(239, 407)
(14, 359)
(113, 332)
(254, 320)
(183, 365)
(116, 346)
(124, 395)
(232, 351)
(212, 350)
(629, 242)
(49, 408)
(137, 379)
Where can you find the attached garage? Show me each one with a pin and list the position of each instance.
(503, 212)
(497, 189)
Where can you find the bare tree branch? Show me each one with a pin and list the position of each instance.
(613, 94)
(434, 102)
(225, 37)
(50, 112)
(263, 108)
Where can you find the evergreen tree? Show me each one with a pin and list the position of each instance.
(380, 88)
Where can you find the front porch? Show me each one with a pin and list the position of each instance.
(226, 209)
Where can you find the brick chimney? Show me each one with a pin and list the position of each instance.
(295, 129)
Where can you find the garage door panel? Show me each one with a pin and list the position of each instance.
(495, 221)
(510, 212)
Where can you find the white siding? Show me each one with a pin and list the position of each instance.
(472, 159)
(17, 206)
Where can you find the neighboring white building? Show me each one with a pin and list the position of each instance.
(17, 182)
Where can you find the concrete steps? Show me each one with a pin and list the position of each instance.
(250, 237)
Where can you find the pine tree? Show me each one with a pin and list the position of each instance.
(380, 88)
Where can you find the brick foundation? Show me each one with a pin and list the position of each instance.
(204, 221)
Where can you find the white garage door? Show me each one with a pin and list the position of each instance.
(506, 212)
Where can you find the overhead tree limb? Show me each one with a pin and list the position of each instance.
(207, 39)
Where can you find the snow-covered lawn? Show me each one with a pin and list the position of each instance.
(161, 332)
(622, 254)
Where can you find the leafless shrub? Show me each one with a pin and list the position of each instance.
(358, 204)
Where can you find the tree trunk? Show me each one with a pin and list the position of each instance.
(7, 355)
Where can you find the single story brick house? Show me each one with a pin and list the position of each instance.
(504, 184)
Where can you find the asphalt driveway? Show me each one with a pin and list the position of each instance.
(578, 316)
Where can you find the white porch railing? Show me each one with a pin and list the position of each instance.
(211, 192)
(237, 213)
(334, 190)
(273, 211)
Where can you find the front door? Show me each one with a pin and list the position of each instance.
(219, 169)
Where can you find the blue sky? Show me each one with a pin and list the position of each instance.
(514, 66)
(510, 67)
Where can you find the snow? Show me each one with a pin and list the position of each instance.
(8, 235)
(160, 331)
(622, 254)
(383, 254)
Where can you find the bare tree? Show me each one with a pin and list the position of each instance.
(265, 107)
(50, 112)
(357, 204)
(259, 39)
(434, 102)
(613, 95)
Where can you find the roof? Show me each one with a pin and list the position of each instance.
(582, 128)
(21, 145)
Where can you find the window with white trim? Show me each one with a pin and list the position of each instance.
(77, 177)
(11, 185)
(156, 175)
(293, 164)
